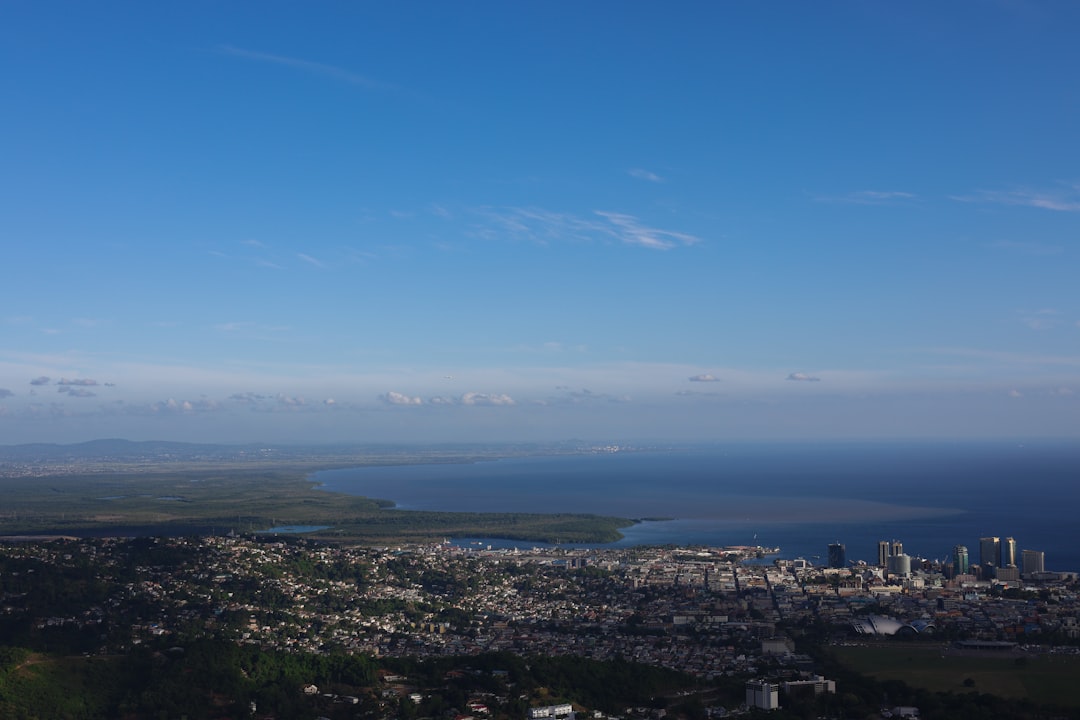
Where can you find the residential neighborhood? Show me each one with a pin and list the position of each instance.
(712, 613)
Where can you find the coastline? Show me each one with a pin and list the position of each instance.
(246, 500)
(932, 496)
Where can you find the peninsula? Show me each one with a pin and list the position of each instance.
(116, 487)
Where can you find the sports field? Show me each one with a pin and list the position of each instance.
(1044, 678)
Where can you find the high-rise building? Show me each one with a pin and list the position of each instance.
(837, 555)
(1034, 561)
(1008, 553)
(990, 552)
(762, 694)
(886, 550)
(961, 563)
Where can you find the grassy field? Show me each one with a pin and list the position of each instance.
(1044, 679)
(200, 501)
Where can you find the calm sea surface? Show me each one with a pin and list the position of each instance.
(798, 497)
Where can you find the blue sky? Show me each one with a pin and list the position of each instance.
(442, 222)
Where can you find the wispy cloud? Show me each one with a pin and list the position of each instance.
(1066, 199)
(630, 231)
(803, 377)
(248, 398)
(85, 382)
(588, 396)
(869, 197)
(173, 406)
(396, 398)
(291, 401)
(535, 224)
(539, 225)
(310, 260)
(469, 398)
(265, 256)
(79, 392)
(282, 402)
(315, 68)
(476, 398)
(1043, 319)
(642, 174)
(705, 377)
(5, 393)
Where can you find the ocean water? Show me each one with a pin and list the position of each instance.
(799, 497)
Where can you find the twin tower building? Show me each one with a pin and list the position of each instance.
(892, 557)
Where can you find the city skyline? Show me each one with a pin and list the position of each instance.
(994, 555)
(437, 223)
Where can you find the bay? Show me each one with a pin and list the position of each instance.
(799, 497)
